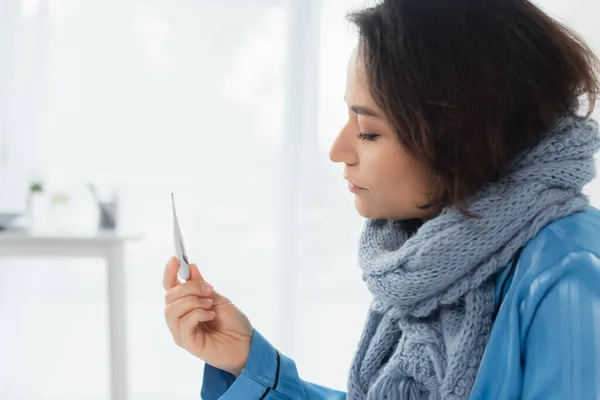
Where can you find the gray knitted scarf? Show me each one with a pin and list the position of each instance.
(433, 285)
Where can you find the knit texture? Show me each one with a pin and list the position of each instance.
(433, 288)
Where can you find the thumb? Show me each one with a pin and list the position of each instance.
(195, 274)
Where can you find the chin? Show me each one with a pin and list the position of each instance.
(370, 211)
(366, 210)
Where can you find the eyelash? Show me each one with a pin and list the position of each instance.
(367, 136)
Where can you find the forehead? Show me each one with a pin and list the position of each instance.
(357, 88)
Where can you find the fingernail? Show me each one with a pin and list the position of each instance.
(207, 288)
(206, 302)
(211, 314)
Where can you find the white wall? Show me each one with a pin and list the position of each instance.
(216, 102)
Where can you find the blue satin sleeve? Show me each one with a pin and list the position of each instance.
(561, 355)
(269, 375)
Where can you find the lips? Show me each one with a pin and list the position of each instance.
(354, 188)
(353, 184)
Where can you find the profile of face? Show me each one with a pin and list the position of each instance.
(387, 183)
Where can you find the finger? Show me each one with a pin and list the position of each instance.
(170, 274)
(196, 288)
(195, 274)
(189, 322)
(181, 307)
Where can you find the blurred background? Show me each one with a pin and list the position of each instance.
(232, 106)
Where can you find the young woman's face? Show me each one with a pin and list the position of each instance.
(386, 181)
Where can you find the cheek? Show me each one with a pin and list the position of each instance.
(397, 186)
(390, 171)
(398, 179)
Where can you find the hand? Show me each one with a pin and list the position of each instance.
(205, 323)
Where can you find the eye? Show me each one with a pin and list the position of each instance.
(367, 136)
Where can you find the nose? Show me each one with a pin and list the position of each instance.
(342, 149)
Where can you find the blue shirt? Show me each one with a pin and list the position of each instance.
(544, 344)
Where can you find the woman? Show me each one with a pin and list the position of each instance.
(465, 152)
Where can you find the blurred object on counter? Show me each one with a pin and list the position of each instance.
(108, 210)
(38, 207)
(61, 207)
(60, 212)
(7, 220)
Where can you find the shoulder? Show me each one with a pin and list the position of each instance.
(573, 234)
(572, 237)
(556, 304)
(563, 258)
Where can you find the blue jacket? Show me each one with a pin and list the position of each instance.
(544, 344)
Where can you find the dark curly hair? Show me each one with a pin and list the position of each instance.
(468, 84)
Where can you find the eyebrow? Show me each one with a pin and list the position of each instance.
(362, 110)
